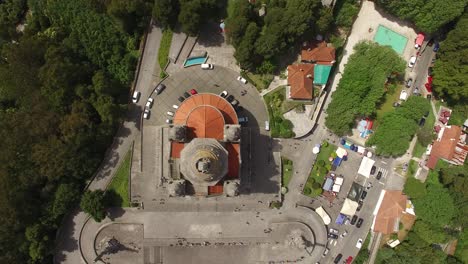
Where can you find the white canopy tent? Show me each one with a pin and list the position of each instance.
(339, 181)
(366, 166)
(349, 207)
(325, 217)
(336, 188)
(341, 152)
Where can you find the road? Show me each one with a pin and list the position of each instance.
(68, 249)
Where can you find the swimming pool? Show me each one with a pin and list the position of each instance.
(194, 61)
(387, 37)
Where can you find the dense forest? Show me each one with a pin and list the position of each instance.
(65, 72)
(429, 16)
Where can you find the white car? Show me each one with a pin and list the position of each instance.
(168, 121)
(403, 95)
(136, 97)
(146, 114)
(242, 80)
(345, 233)
(170, 113)
(412, 61)
(359, 243)
(149, 103)
(207, 66)
(223, 94)
(175, 106)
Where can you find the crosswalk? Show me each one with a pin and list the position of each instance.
(384, 175)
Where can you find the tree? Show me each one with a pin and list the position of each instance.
(429, 233)
(429, 16)
(346, 15)
(325, 21)
(165, 13)
(436, 207)
(93, 203)
(414, 188)
(66, 197)
(246, 50)
(11, 13)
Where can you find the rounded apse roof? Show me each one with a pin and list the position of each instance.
(205, 114)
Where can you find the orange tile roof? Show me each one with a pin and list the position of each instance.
(391, 209)
(300, 79)
(233, 160)
(176, 148)
(446, 146)
(318, 52)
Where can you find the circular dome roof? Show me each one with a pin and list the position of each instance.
(204, 161)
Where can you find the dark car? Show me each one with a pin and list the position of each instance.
(436, 47)
(338, 258)
(181, 99)
(238, 108)
(422, 121)
(160, 88)
(409, 82)
(379, 175)
(360, 203)
(354, 219)
(372, 171)
(359, 222)
(334, 236)
(230, 98)
(429, 71)
(363, 195)
(186, 95)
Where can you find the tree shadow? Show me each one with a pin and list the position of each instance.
(210, 35)
(115, 212)
(65, 241)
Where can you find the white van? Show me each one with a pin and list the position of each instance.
(207, 66)
(267, 125)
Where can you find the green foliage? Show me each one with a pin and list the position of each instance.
(346, 15)
(287, 171)
(164, 48)
(194, 13)
(11, 12)
(245, 51)
(451, 68)
(362, 86)
(307, 191)
(165, 13)
(429, 233)
(325, 21)
(280, 127)
(393, 135)
(66, 197)
(120, 185)
(414, 188)
(428, 15)
(436, 207)
(316, 185)
(94, 203)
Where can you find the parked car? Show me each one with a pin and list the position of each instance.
(338, 258)
(207, 66)
(409, 82)
(379, 175)
(345, 233)
(234, 103)
(422, 121)
(193, 92)
(333, 231)
(230, 98)
(359, 243)
(412, 61)
(168, 121)
(349, 260)
(181, 99)
(223, 94)
(242, 80)
(146, 114)
(149, 103)
(325, 252)
(372, 171)
(359, 222)
(436, 47)
(333, 236)
(186, 95)
(416, 91)
(354, 219)
(170, 113)
(363, 195)
(136, 97)
(369, 185)
(160, 88)
(175, 106)
(243, 119)
(360, 203)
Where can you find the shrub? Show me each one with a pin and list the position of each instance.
(316, 185)
(307, 191)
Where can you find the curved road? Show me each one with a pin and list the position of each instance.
(67, 248)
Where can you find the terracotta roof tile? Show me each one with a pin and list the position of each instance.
(445, 146)
(392, 207)
(318, 52)
(300, 79)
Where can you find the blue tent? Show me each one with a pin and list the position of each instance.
(328, 184)
(337, 161)
(340, 219)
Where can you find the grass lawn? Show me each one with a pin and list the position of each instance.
(412, 168)
(280, 127)
(418, 150)
(163, 53)
(119, 183)
(287, 171)
(261, 81)
(317, 176)
(387, 105)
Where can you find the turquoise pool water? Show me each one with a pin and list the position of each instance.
(194, 61)
(387, 37)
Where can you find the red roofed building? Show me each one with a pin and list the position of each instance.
(205, 147)
(450, 146)
(318, 52)
(301, 81)
(391, 207)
